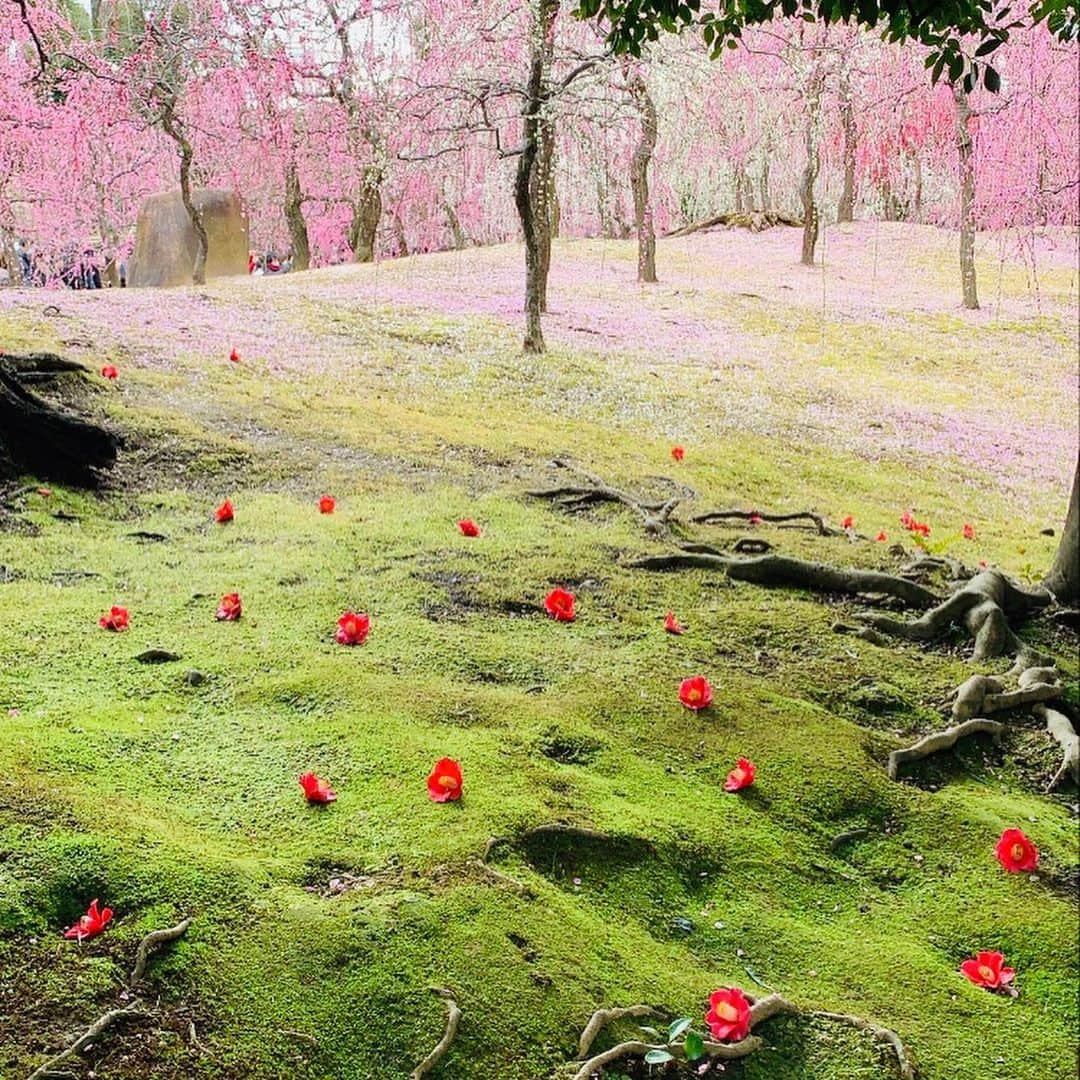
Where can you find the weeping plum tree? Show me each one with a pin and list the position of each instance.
(639, 176)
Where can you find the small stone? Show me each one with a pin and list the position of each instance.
(194, 678)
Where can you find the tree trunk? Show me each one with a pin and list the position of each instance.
(813, 163)
(294, 217)
(43, 440)
(965, 151)
(763, 187)
(366, 214)
(461, 241)
(543, 195)
(639, 179)
(845, 210)
(524, 184)
(916, 210)
(399, 236)
(1064, 577)
(175, 132)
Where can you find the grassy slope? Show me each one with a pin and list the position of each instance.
(122, 781)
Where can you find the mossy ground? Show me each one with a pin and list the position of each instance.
(124, 782)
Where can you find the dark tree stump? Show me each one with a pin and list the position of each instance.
(41, 438)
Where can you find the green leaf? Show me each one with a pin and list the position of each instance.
(992, 80)
(677, 1028)
(694, 1045)
(658, 1057)
(650, 1031)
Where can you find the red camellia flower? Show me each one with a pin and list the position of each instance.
(672, 625)
(1016, 852)
(230, 608)
(116, 618)
(560, 605)
(920, 527)
(695, 693)
(234, 357)
(316, 789)
(352, 628)
(986, 970)
(741, 776)
(327, 504)
(678, 453)
(109, 372)
(728, 1018)
(906, 519)
(224, 513)
(848, 523)
(968, 531)
(444, 783)
(881, 537)
(468, 527)
(755, 518)
(91, 924)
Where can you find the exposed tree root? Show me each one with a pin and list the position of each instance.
(761, 1009)
(654, 514)
(987, 694)
(1061, 728)
(453, 1018)
(136, 1009)
(803, 519)
(782, 570)
(149, 944)
(754, 220)
(942, 740)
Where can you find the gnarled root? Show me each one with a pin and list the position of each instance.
(154, 940)
(782, 570)
(654, 515)
(761, 1010)
(985, 694)
(1061, 728)
(453, 1018)
(803, 519)
(942, 740)
(134, 1011)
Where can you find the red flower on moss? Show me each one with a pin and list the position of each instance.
(317, 790)
(327, 504)
(468, 527)
(672, 625)
(444, 783)
(728, 1018)
(907, 520)
(91, 924)
(110, 372)
(230, 608)
(560, 605)
(678, 453)
(968, 531)
(987, 970)
(224, 513)
(695, 693)
(755, 518)
(848, 523)
(742, 776)
(234, 357)
(920, 527)
(881, 537)
(352, 628)
(116, 618)
(1016, 852)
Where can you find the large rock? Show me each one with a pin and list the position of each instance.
(165, 243)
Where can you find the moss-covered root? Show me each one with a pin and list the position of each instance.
(453, 1018)
(761, 1009)
(942, 740)
(1061, 728)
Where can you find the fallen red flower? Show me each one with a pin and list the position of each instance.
(91, 924)
(327, 504)
(224, 513)
(678, 453)
(116, 618)
(881, 537)
(728, 1018)
(1016, 852)
(230, 608)
(444, 783)
(848, 523)
(560, 605)
(742, 776)
(755, 518)
(986, 970)
(906, 519)
(468, 527)
(968, 531)
(317, 790)
(352, 628)
(109, 372)
(234, 356)
(695, 693)
(672, 625)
